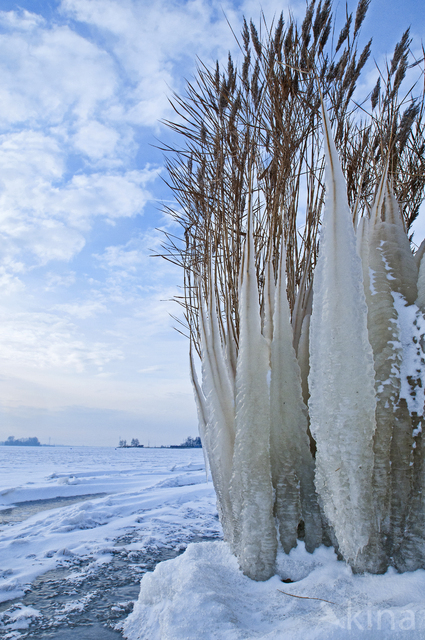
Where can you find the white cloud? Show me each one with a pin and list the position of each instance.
(83, 310)
(47, 341)
(21, 20)
(103, 194)
(50, 73)
(56, 281)
(46, 216)
(96, 140)
(151, 40)
(9, 283)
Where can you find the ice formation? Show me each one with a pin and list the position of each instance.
(317, 419)
(395, 330)
(218, 400)
(255, 539)
(291, 459)
(341, 380)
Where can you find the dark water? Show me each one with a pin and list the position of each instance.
(23, 510)
(84, 600)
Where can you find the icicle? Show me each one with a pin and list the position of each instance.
(291, 459)
(303, 357)
(395, 248)
(419, 253)
(231, 351)
(251, 487)
(220, 427)
(303, 304)
(341, 380)
(269, 294)
(420, 301)
(202, 410)
(222, 380)
(362, 240)
(384, 338)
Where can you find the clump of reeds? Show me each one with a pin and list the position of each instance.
(265, 120)
(249, 182)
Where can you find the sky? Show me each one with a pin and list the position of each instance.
(88, 353)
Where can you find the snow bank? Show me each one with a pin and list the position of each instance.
(202, 595)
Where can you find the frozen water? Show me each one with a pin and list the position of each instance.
(23, 510)
(218, 391)
(291, 461)
(79, 564)
(86, 599)
(251, 491)
(342, 377)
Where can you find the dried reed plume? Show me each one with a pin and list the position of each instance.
(259, 128)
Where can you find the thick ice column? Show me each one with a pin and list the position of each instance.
(251, 490)
(292, 462)
(341, 380)
(411, 553)
(392, 291)
(220, 429)
(384, 338)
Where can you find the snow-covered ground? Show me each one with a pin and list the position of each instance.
(157, 500)
(202, 595)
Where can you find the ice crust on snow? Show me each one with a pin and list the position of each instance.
(19, 617)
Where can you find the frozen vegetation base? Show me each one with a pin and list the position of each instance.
(359, 481)
(203, 595)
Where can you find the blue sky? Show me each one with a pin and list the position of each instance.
(87, 349)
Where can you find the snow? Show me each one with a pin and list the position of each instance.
(19, 618)
(162, 499)
(202, 595)
(160, 493)
(411, 324)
